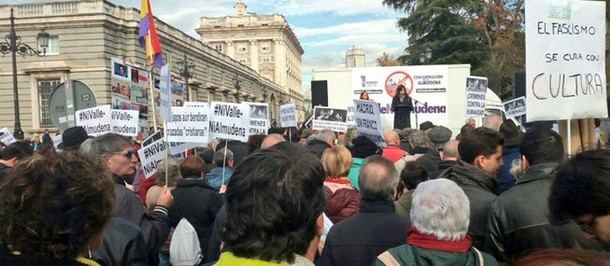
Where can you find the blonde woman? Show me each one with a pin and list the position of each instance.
(342, 199)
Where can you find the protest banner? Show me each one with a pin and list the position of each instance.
(96, 121)
(229, 121)
(177, 149)
(515, 107)
(288, 115)
(329, 118)
(197, 104)
(152, 154)
(567, 73)
(259, 118)
(6, 136)
(368, 120)
(125, 122)
(165, 94)
(476, 88)
(56, 141)
(351, 119)
(188, 124)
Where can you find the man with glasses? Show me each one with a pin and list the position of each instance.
(519, 218)
(581, 192)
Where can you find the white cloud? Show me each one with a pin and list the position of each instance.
(342, 8)
(373, 26)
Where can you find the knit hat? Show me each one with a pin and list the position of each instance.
(363, 147)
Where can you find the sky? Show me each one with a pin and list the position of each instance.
(325, 28)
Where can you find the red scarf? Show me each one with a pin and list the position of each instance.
(421, 240)
(340, 180)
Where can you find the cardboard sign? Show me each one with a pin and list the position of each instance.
(329, 118)
(288, 115)
(188, 124)
(176, 149)
(125, 122)
(368, 120)
(197, 104)
(165, 94)
(56, 141)
(259, 118)
(96, 121)
(476, 88)
(230, 121)
(6, 136)
(515, 107)
(152, 154)
(565, 59)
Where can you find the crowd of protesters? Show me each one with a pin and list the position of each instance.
(490, 195)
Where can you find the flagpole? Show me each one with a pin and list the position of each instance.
(152, 96)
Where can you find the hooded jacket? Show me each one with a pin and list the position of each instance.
(478, 187)
(412, 255)
(342, 200)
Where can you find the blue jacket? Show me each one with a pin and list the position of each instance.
(505, 179)
(214, 177)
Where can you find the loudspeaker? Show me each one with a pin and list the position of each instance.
(319, 93)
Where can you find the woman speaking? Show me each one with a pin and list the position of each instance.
(402, 107)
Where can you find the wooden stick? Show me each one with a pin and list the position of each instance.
(290, 134)
(166, 157)
(151, 82)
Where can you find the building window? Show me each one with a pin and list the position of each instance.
(217, 27)
(240, 25)
(265, 24)
(218, 47)
(45, 88)
(53, 48)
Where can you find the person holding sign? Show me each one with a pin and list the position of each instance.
(364, 96)
(402, 105)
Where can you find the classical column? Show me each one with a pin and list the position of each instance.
(279, 61)
(254, 55)
(230, 49)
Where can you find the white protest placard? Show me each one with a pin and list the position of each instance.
(188, 124)
(125, 122)
(476, 88)
(515, 107)
(6, 136)
(288, 115)
(177, 148)
(259, 118)
(565, 51)
(197, 104)
(329, 118)
(368, 120)
(96, 121)
(351, 118)
(230, 121)
(57, 140)
(165, 93)
(152, 154)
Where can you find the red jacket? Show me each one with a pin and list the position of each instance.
(392, 153)
(342, 200)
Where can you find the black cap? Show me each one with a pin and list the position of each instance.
(72, 138)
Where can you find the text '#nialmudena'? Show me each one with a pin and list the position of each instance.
(102, 128)
(218, 127)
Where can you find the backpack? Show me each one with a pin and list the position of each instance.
(184, 248)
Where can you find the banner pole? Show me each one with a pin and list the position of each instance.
(224, 162)
(152, 96)
(166, 156)
(290, 134)
(569, 139)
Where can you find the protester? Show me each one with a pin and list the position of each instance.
(421, 145)
(492, 121)
(361, 148)
(438, 136)
(321, 141)
(277, 194)
(471, 122)
(195, 200)
(564, 257)
(114, 152)
(405, 134)
(580, 193)
(46, 138)
(512, 138)
(35, 144)
(402, 105)
(426, 126)
(305, 133)
(271, 140)
(358, 240)
(342, 200)
(411, 176)
(254, 142)
(207, 154)
(53, 210)
(239, 149)
(449, 156)
(172, 171)
(12, 154)
(364, 95)
(72, 138)
(439, 233)
(350, 134)
(392, 151)
(481, 156)
(519, 218)
(224, 167)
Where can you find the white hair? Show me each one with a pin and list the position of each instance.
(440, 208)
(492, 121)
(327, 136)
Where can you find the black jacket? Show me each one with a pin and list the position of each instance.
(358, 240)
(317, 147)
(122, 244)
(430, 161)
(199, 204)
(478, 187)
(213, 251)
(519, 219)
(154, 226)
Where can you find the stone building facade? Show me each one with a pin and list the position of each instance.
(86, 34)
(355, 57)
(265, 43)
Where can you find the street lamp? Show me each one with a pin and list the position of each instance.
(237, 87)
(426, 56)
(186, 67)
(13, 45)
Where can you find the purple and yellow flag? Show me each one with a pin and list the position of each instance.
(148, 36)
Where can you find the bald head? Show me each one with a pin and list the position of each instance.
(391, 138)
(377, 179)
(271, 140)
(450, 151)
